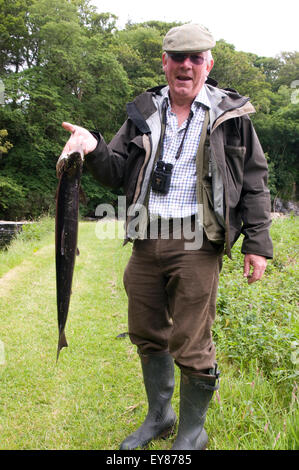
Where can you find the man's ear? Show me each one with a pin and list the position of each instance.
(164, 60)
(210, 65)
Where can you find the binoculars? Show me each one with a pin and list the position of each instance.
(162, 177)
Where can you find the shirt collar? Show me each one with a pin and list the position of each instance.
(201, 98)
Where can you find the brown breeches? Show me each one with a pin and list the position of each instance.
(172, 299)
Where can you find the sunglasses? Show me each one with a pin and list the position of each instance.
(180, 58)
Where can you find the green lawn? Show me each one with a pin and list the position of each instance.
(93, 397)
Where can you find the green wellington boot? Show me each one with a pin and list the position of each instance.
(196, 392)
(158, 376)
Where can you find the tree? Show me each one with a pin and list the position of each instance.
(288, 70)
(237, 70)
(67, 75)
(13, 34)
(279, 135)
(269, 66)
(61, 60)
(140, 54)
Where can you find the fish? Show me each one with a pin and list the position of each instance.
(66, 236)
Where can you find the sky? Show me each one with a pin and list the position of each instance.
(264, 27)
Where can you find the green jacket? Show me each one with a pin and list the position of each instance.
(241, 199)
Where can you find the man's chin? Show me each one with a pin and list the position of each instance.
(184, 91)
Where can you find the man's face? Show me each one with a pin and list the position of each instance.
(186, 78)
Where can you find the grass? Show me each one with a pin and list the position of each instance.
(93, 397)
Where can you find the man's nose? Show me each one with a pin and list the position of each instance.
(187, 62)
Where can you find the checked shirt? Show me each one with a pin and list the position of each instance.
(181, 199)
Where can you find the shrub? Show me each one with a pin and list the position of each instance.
(260, 321)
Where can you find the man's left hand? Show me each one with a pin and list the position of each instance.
(258, 263)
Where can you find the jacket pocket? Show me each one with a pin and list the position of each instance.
(210, 221)
(136, 154)
(234, 157)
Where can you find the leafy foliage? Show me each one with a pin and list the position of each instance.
(259, 323)
(61, 60)
(5, 145)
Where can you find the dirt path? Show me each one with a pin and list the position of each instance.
(8, 280)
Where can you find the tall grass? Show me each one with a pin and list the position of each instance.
(93, 397)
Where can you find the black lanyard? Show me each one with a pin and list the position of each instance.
(178, 154)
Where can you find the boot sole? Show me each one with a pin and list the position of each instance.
(163, 435)
(200, 444)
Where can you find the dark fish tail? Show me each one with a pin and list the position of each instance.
(62, 343)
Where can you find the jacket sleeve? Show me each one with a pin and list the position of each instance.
(255, 203)
(107, 162)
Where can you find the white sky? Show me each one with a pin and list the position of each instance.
(264, 27)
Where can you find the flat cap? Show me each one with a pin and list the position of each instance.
(188, 38)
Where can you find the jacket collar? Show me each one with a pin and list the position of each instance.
(221, 100)
(223, 104)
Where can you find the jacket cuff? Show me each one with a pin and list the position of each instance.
(262, 247)
(99, 138)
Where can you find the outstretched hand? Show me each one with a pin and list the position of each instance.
(80, 137)
(81, 140)
(258, 263)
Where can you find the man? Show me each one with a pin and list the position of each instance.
(187, 152)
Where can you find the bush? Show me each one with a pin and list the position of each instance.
(36, 230)
(11, 197)
(260, 321)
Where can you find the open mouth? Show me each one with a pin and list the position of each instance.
(183, 78)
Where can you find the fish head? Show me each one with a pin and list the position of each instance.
(74, 162)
